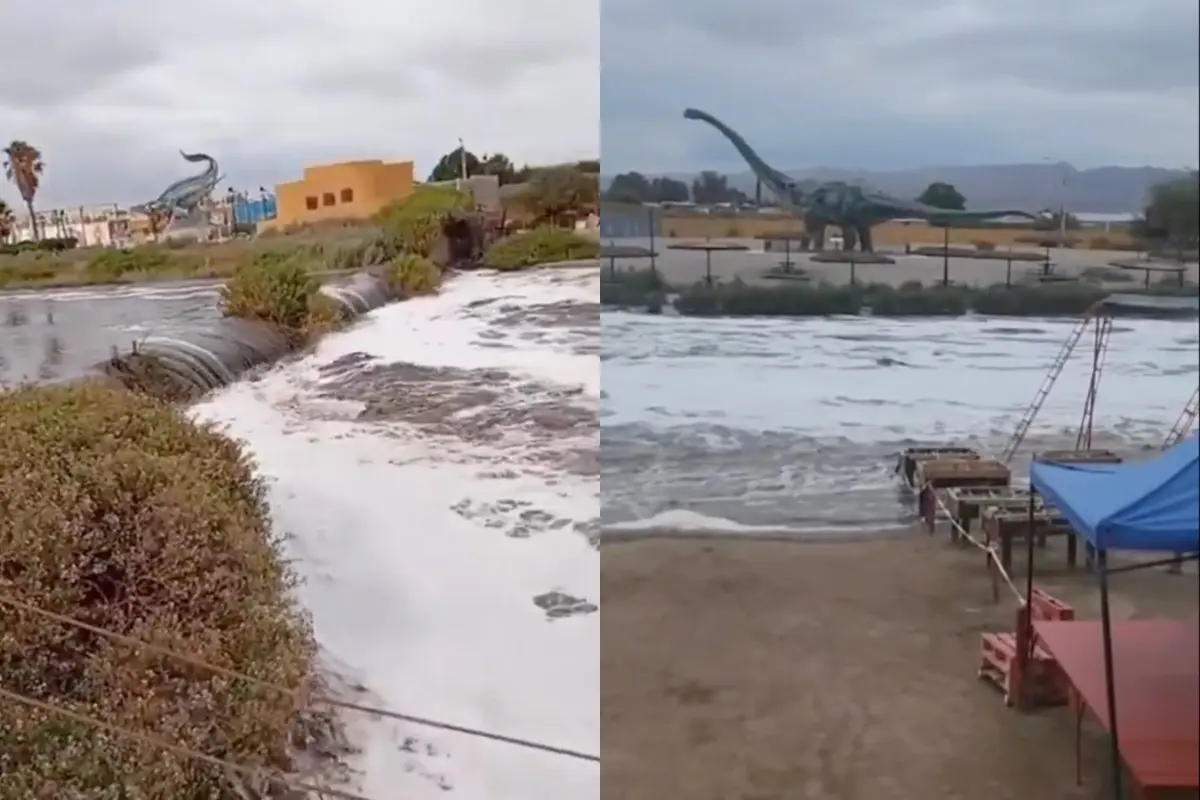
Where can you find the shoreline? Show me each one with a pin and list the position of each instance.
(782, 535)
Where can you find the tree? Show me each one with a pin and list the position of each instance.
(943, 195)
(8, 222)
(669, 190)
(1172, 213)
(450, 166)
(628, 187)
(23, 166)
(497, 164)
(711, 188)
(555, 193)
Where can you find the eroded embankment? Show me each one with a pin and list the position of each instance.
(219, 351)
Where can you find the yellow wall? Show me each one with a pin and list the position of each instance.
(357, 190)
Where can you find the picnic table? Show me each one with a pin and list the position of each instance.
(1150, 268)
(708, 248)
(613, 251)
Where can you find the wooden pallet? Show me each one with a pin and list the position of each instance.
(1042, 682)
(932, 476)
(1078, 457)
(1006, 525)
(910, 458)
(966, 503)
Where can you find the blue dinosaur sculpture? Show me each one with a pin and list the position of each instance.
(855, 209)
(186, 196)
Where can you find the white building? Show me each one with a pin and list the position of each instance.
(96, 226)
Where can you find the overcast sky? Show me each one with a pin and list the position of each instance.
(883, 84)
(111, 92)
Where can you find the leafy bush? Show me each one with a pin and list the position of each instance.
(1064, 299)
(916, 301)
(633, 288)
(412, 275)
(117, 510)
(281, 289)
(544, 245)
(791, 300)
(113, 265)
(414, 224)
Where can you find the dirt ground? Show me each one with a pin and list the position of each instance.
(759, 670)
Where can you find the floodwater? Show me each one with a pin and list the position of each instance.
(435, 469)
(792, 426)
(59, 334)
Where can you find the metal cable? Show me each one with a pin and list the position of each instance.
(329, 701)
(186, 752)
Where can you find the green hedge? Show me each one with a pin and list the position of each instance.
(644, 288)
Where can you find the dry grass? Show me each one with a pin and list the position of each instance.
(118, 510)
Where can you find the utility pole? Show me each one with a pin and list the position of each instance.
(462, 160)
(1062, 208)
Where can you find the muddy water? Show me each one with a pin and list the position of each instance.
(58, 334)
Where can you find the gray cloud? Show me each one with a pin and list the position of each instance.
(110, 99)
(901, 83)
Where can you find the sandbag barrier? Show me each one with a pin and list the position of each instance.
(185, 367)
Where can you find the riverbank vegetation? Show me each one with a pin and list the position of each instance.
(436, 222)
(122, 512)
(645, 289)
(544, 245)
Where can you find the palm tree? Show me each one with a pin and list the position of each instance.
(7, 222)
(23, 166)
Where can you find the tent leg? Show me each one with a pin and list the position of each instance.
(1109, 687)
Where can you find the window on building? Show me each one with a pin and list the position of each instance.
(347, 195)
(328, 199)
(311, 203)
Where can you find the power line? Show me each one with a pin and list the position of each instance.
(235, 675)
(186, 752)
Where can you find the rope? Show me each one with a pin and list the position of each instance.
(988, 548)
(235, 675)
(158, 741)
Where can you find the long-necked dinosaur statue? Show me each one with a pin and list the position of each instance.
(186, 196)
(855, 209)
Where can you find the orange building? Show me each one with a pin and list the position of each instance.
(349, 190)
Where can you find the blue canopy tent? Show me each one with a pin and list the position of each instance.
(1142, 505)
(1151, 505)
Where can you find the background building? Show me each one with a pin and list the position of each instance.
(350, 190)
(619, 221)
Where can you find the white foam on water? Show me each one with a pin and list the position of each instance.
(758, 426)
(430, 611)
(874, 379)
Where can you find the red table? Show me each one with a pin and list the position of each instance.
(1156, 674)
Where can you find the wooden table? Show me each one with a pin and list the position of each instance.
(708, 250)
(1149, 269)
(1156, 674)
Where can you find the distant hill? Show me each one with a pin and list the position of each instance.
(1102, 190)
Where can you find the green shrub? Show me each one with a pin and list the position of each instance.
(414, 225)
(411, 275)
(1065, 299)
(790, 300)
(910, 301)
(740, 299)
(117, 510)
(280, 288)
(544, 245)
(114, 265)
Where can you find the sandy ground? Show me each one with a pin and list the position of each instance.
(685, 267)
(758, 670)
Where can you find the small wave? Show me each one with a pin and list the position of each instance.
(682, 523)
